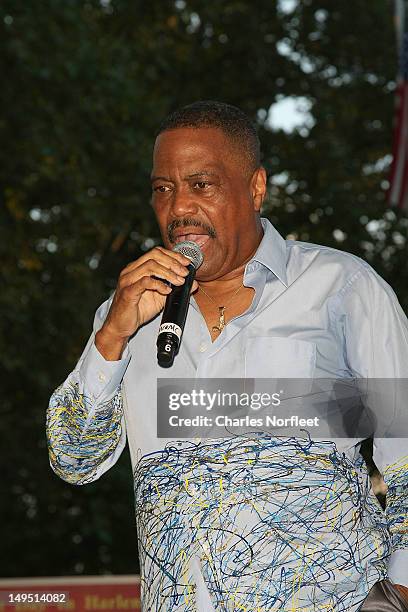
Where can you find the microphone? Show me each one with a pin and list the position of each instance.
(175, 309)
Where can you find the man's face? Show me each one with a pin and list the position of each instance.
(203, 190)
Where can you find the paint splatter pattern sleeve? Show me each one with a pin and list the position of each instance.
(84, 438)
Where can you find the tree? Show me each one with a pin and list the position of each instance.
(87, 84)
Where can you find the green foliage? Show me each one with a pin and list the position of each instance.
(85, 85)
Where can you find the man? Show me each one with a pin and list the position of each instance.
(240, 522)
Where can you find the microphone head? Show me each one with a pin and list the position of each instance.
(190, 249)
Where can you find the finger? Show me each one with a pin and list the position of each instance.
(154, 269)
(146, 283)
(184, 261)
(167, 258)
(194, 287)
(166, 262)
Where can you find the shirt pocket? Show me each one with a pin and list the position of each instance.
(277, 357)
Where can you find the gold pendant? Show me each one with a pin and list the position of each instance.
(221, 322)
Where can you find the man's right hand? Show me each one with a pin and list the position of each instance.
(139, 297)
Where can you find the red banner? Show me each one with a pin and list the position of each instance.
(84, 593)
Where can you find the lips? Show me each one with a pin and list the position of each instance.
(200, 239)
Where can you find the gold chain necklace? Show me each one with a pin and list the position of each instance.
(221, 310)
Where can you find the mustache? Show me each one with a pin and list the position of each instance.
(188, 223)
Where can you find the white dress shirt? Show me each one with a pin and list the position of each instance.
(252, 523)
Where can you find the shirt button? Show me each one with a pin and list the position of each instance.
(203, 348)
(102, 377)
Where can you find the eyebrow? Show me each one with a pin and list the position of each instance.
(160, 178)
(201, 173)
(198, 174)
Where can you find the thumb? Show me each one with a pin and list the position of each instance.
(194, 287)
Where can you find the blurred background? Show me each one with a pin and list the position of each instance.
(85, 84)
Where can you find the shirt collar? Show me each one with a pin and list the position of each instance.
(271, 252)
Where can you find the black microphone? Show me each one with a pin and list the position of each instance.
(175, 310)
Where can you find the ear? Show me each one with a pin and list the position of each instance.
(258, 187)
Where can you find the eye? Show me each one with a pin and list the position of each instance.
(161, 188)
(201, 184)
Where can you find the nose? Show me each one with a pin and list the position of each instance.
(183, 202)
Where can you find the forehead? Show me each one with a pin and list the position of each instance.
(191, 146)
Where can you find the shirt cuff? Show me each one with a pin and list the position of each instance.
(398, 567)
(101, 378)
